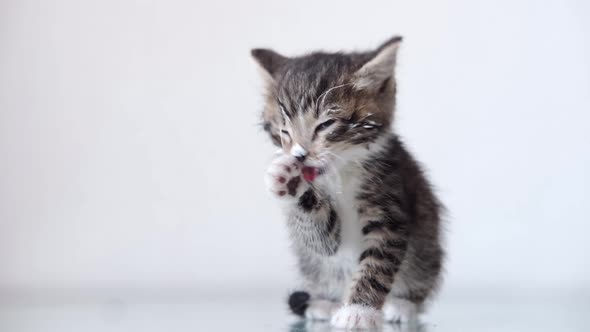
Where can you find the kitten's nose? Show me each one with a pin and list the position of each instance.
(298, 152)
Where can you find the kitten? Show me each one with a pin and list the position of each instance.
(364, 222)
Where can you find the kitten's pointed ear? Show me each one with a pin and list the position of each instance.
(269, 61)
(380, 66)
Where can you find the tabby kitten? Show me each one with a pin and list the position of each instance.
(363, 219)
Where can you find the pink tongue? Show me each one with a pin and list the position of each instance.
(310, 173)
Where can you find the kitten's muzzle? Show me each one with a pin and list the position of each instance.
(298, 152)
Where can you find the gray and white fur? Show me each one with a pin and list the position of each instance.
(366, 226)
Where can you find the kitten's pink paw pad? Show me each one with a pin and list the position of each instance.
(283, 178)
(354, 316)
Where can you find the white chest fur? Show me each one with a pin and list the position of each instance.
(342, 188)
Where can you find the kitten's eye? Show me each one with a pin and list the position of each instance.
(324, 125)
(284, 132)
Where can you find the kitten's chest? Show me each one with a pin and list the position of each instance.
(343, 193)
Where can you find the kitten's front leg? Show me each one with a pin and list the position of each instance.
(385, 241)
(314, 228)
(312, 221)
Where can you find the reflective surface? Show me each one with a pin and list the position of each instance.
(266, 311)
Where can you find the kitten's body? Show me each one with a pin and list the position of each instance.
(366, 230)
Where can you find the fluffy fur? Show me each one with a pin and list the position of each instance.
(366, 231)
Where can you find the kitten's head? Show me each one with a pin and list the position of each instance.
(326, 108)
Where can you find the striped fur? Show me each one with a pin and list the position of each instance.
(314, 224)
(367, 231)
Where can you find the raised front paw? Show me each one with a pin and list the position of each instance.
(355, 316)
(284, 179)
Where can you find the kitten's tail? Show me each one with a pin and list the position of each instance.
(298, 302)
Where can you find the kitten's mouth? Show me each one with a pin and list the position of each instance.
(310, 173)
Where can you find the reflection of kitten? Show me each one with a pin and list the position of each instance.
(364, 221)
(322, 326)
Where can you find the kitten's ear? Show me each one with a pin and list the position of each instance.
(375, 72)
(269, 61)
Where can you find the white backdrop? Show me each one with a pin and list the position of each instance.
(131, 156)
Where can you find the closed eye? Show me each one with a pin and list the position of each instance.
(284, 132)
(324, 125)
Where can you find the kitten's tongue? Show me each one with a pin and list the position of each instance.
(310, 173)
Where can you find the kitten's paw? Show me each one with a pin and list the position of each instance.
(354, 316)
(283, 178)
(320, 310)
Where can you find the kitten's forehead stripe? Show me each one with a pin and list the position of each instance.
(284, 111)
(305, 79)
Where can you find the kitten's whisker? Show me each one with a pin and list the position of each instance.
(325, 93)
(335, 155)
(335, 180)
